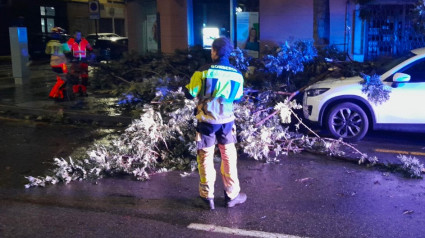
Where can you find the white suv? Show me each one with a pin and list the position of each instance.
(342, 107)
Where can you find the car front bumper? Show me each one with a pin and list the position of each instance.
(311, 107)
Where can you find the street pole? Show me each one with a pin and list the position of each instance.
(112, 14)
(113, 24)
(233, 34)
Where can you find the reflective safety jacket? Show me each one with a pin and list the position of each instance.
(216, 87)
(79, 48)
(57, 51)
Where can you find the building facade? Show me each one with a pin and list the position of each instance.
(385, 30)
(379, 28)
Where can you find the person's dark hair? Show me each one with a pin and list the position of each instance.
(222, 46)
(249, 34)
(55, 35)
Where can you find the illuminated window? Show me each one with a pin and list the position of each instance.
(47, 11)
(43, 25)
(50, 23)
(209, 34)
(47, 18)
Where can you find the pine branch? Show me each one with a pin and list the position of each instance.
(120, 78)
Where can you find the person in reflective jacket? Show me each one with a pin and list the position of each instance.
(57, 49)
(79, 68)
(217, 86)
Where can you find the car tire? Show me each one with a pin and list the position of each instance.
(347, 121)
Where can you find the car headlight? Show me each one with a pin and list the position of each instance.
(316, 91)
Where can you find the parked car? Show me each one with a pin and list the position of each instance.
(342, 107)
(110, 48)
(91, 38)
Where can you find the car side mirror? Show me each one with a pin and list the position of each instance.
(401, 78)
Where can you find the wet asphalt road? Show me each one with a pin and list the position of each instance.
(388, 145)
(303, 195)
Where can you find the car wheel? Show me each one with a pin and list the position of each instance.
(347, 121)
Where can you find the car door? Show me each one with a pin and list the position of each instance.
(407, 100)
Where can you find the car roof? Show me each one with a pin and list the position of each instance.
(115, 38)
(103, 34)
(418, 51)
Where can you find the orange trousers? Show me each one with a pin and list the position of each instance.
(229, 171)
(80, 70)
(58, 88)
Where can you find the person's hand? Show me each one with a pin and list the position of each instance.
(92, 57)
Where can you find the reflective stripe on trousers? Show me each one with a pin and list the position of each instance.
(228, 169)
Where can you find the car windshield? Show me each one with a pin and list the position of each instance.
(386, 64)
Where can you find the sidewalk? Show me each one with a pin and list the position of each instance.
(31, 101)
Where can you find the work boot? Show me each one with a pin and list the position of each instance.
(241, 198)
(205, 203)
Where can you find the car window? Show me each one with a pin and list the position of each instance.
(392, 62)
(416, 70)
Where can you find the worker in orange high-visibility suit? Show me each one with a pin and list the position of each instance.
(79, 68)
(57, 49)
(217, 86)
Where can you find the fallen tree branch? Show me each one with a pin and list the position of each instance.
(266, 119)
(120, 78)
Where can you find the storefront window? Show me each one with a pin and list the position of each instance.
(209, 35)
(213, 18)
(247, 26)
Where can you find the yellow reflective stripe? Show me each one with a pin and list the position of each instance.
(195, 84)
(223, 87)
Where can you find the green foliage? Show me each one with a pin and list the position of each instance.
(289, 59)
(418, 16)
(277, 65)
(161, 140)
(296, 61)
(140, 68)
(329, 62)
(412, 166)
(258, 142)
(375, 90)
(240, 59)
